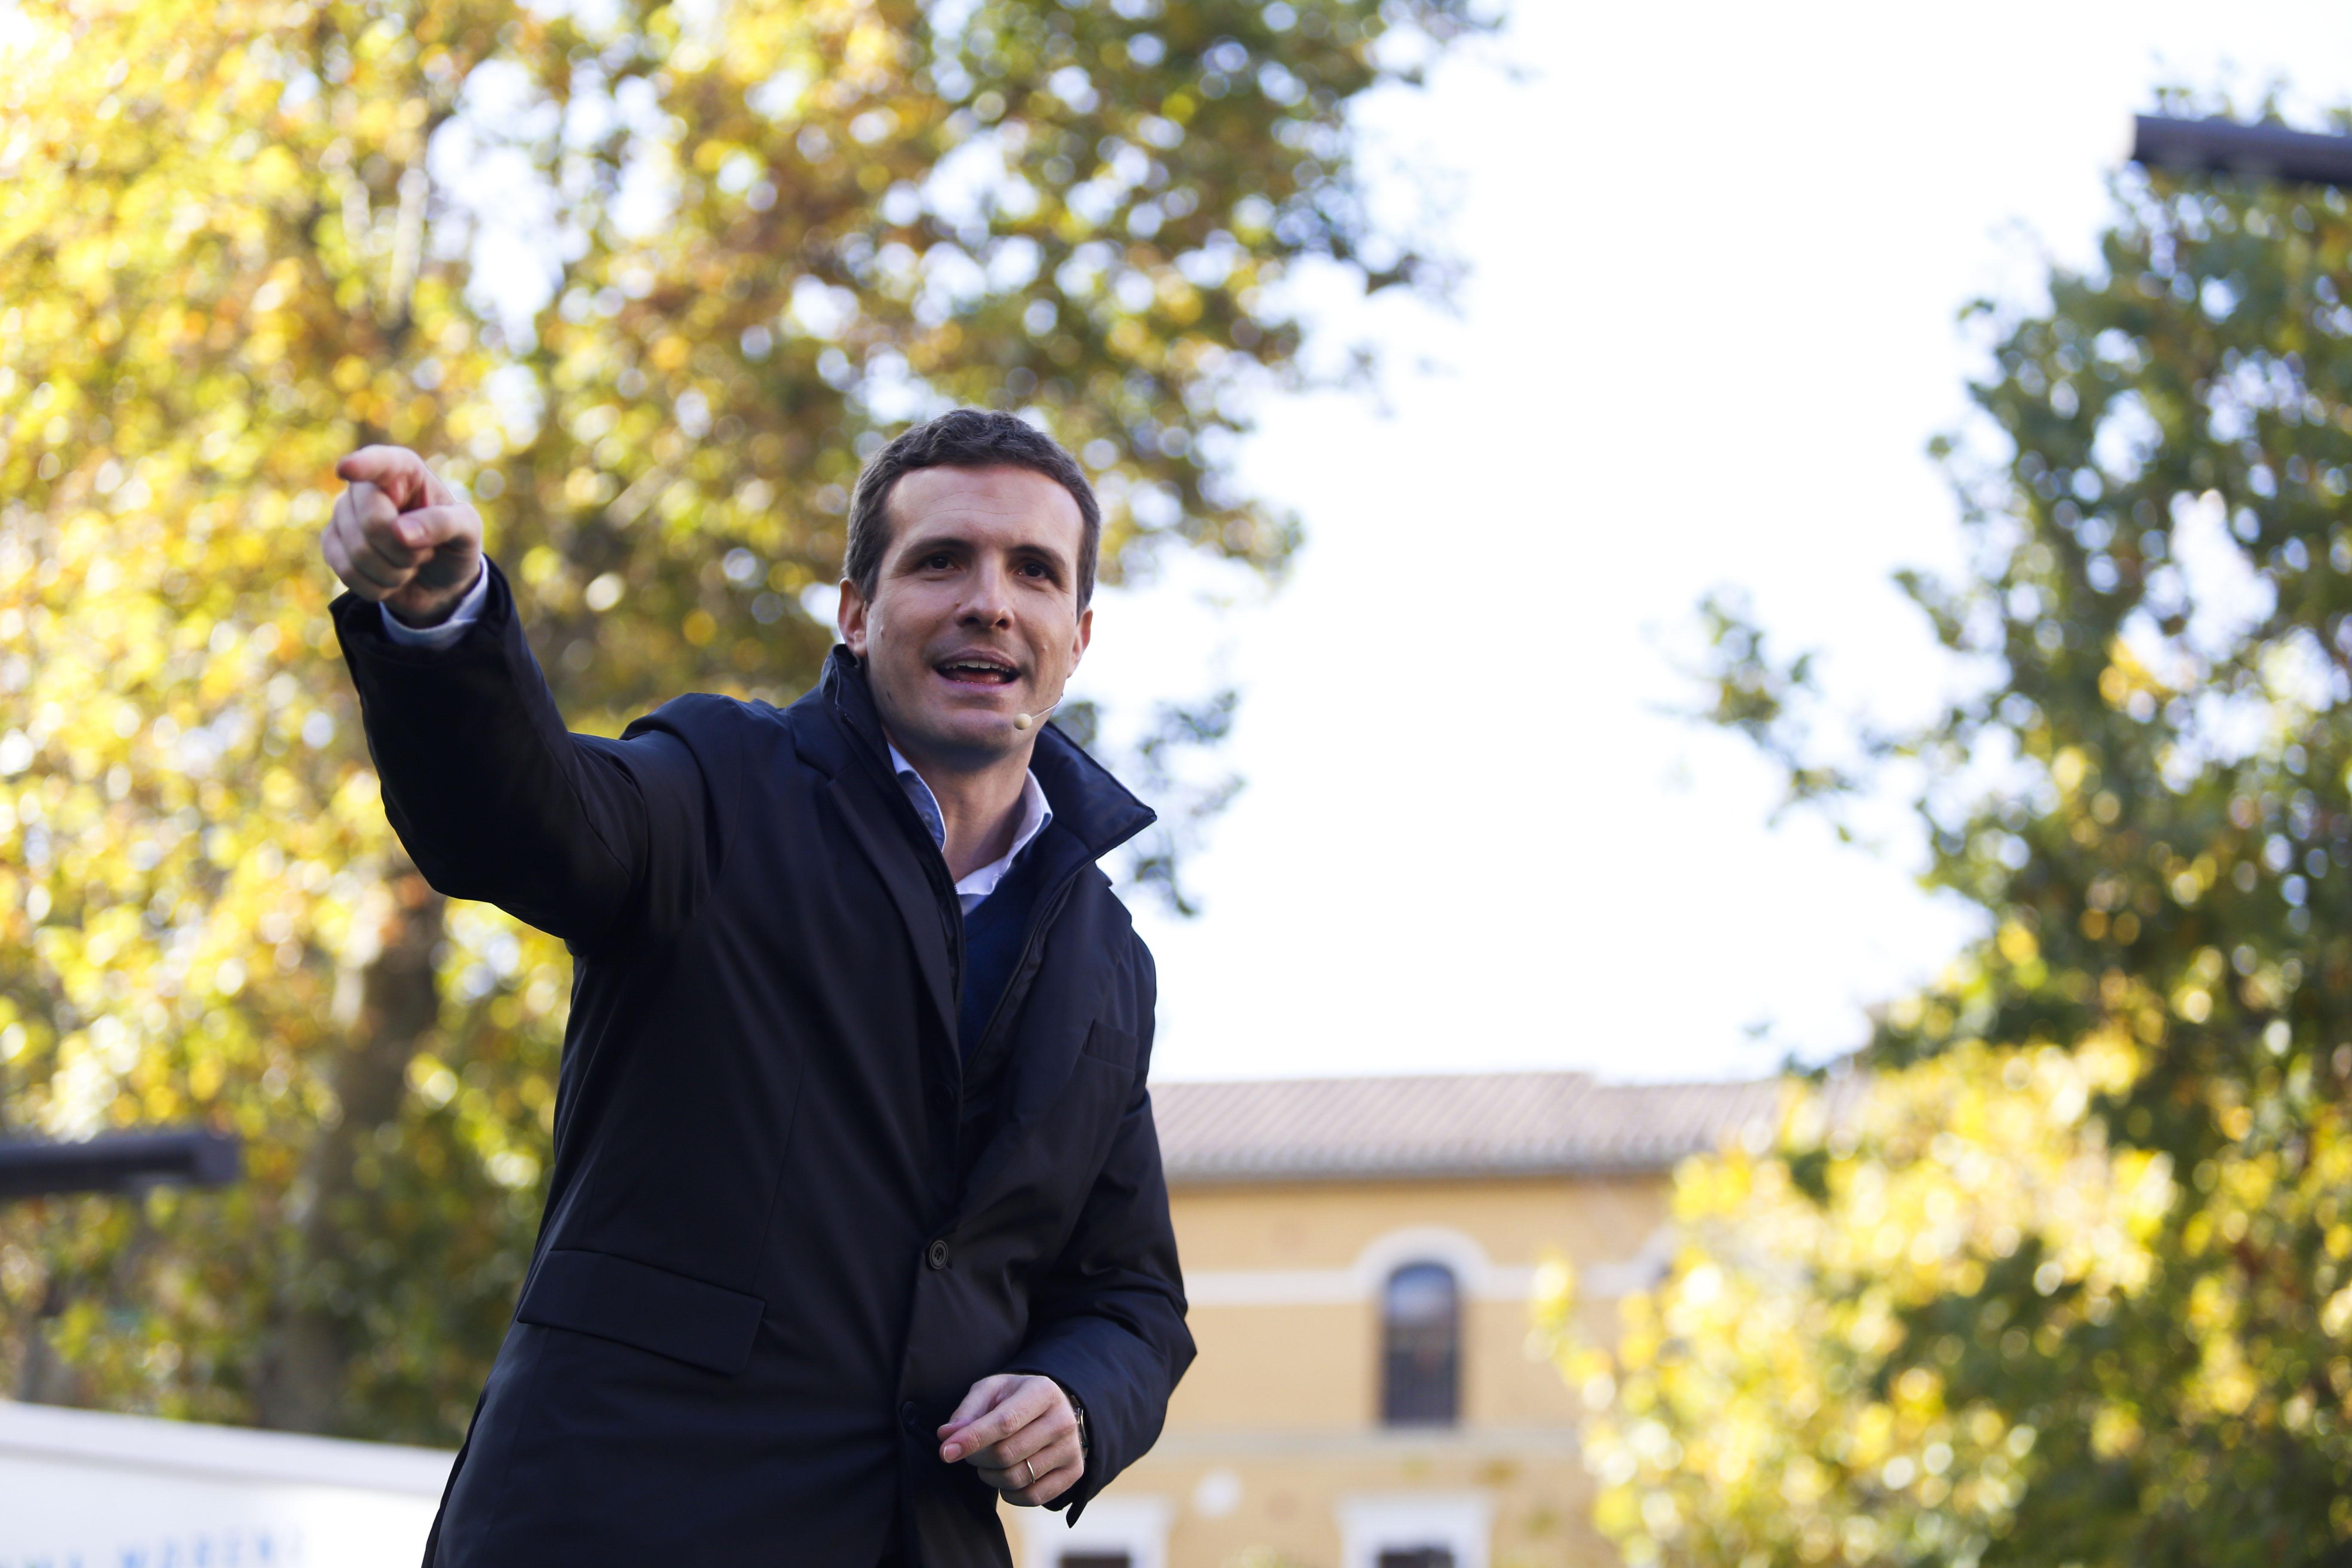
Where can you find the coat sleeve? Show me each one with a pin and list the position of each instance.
(584, 838)
(1107, 1322)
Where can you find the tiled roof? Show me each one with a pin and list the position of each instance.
(1460, 1125)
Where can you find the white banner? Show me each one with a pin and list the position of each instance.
(81, 1490)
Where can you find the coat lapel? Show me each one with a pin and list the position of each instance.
(1093, 814)
(827, 739)
(1046, 1042)
(894, 861)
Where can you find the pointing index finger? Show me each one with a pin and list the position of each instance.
(400, 473)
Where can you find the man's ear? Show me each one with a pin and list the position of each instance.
(849, 615)
(1085, 635)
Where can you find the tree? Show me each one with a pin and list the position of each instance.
(2066, 1281)
(650, 280)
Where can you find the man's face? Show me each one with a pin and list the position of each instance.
(975, 614)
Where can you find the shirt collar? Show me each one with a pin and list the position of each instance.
(1034, 816)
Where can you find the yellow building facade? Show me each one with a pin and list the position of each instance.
(1361, 1257)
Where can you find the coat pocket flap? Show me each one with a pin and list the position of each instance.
(1109, 1043)
(616, 1299)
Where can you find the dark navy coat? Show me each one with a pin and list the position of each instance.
(790, 1219)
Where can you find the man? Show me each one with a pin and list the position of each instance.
(856, 1220)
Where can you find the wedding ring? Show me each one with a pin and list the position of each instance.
(1030, 1465)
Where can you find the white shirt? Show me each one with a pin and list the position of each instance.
(1035, 815)
(1034, 812)
(446, 634)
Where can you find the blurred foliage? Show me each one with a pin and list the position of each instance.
(649, 281)
(1186, 803)
(2067, 1278)
(1765, 702)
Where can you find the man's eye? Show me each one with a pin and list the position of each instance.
(1036, 569)
(940, 563)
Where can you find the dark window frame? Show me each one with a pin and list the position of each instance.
(1417, 1557)
(1421, 1346)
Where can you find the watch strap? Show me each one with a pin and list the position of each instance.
(1078, 1409)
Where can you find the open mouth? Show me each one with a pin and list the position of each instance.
(977, 670)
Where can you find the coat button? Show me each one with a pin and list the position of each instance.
(936, 1255)
(906, 1416)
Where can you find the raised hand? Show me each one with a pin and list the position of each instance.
(401, 537)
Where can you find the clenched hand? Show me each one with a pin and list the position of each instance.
(1019, 1431)
(401, 537)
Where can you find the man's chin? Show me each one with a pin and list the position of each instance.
(963, 732)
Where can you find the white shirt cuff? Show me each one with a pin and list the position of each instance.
(446, 634)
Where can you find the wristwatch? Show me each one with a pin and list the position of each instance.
(1085, 1440)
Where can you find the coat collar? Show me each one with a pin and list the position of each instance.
(1093, 814)
(1088, 802)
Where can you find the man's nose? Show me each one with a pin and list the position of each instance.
(990, 602)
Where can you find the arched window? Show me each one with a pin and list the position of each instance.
(1421, 1347)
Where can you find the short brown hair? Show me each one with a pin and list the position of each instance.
(964, 438)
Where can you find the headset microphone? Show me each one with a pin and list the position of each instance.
(1029, 720)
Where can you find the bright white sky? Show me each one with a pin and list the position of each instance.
(1716, 251)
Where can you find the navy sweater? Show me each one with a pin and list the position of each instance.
(992, 949)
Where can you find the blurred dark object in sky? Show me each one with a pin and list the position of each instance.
(2225, 147)
(119, 1163)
